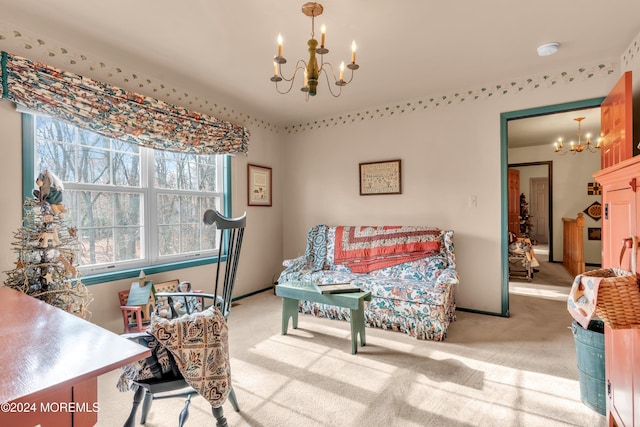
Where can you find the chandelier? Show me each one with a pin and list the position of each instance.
(311, 69)
(579, 147)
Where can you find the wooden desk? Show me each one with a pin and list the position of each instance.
(50, 361)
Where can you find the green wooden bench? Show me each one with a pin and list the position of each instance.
(292, 292)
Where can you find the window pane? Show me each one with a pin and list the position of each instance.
(59, 158)
(93, 139)
(209, 233)
(97, 246)
(109, 225)
(190, 237)
(168, 209)
(166, 170)
(126, 169)
(127, 243)
(168, 239)
(125, 146)
(190, 209)
(128, 209)
(180, 171)
(207, 173)
(94, 166)
(54, 130)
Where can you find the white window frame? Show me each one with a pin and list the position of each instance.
(150, 261)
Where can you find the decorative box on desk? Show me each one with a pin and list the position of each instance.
(50, 363)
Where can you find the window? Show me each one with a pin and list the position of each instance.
(132, 206)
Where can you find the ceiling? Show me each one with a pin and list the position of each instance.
(545, 130)
(223, 50)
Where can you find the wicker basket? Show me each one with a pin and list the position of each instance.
(618, 303)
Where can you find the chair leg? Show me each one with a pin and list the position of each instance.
(184, 414)
(233, 400)
(221, 421)
(137, 398)
(146, 406)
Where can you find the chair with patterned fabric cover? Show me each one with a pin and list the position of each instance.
(173, 373)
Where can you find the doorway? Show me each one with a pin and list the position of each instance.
(536, 183)
(504, 160)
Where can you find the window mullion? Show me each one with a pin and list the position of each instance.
(150, 203)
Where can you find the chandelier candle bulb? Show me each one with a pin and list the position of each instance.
(275, 68)
(353, 52)
(279, 45)
(323, 30)
(341, 71)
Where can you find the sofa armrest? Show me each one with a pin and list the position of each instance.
(448, 276)
(293, 262)
(295, 268)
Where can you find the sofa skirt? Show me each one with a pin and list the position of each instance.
(419, 320)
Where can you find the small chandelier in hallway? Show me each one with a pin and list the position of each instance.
(312, 70)
(579, 147)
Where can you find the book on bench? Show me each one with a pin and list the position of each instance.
(336, 288)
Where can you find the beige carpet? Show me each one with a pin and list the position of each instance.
(491, 371)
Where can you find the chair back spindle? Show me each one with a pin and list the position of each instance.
(229, 248)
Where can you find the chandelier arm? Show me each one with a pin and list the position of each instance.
(286, 91)
(300, 65)
(326, 76)
(293, 77)
(346, 83)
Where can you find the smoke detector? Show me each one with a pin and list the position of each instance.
(548, 49)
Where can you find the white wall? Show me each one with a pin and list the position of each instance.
(448, 153)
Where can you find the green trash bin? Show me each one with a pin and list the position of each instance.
(590, 355)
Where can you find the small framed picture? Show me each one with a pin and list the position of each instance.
(594, 233)
(259, 185)
(381, 178)
(594, 189)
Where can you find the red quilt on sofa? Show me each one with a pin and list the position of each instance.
(364, 249)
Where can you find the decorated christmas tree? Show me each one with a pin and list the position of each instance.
(48, 250)
(525, 219)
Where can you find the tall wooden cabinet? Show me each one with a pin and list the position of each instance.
(620, 179)
(621, 220)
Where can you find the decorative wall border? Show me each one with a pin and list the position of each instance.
(18, 42)
(631, 52)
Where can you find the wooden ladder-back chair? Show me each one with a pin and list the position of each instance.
(172, 383)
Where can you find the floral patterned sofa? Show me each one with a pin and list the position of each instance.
(410, 271)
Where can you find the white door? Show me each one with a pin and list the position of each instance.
(539, 204)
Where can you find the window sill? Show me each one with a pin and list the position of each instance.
(152, 269)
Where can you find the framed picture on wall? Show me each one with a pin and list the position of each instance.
(380, 178)
(593, 189)
(259, 185)
(594, 211)
(594, 233)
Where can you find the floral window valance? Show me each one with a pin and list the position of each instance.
(115, 112)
